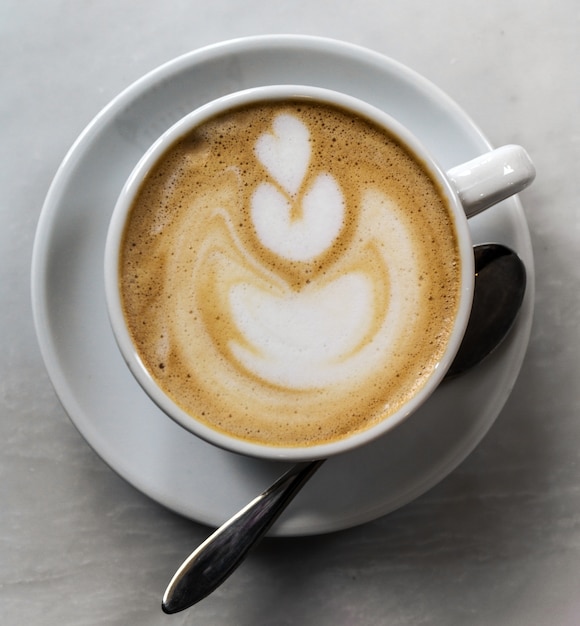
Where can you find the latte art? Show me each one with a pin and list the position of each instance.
(297, 229)
(290, 273)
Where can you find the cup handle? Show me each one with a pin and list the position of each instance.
(491, 177)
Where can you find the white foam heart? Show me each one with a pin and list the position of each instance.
(286, 152)
(299, 339)
(311, 233)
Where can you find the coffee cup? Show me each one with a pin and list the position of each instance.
(289, 273)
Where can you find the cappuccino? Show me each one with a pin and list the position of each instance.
(290, 273)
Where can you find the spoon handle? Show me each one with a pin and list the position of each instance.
(219, 555)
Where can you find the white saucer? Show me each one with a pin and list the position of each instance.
(106, 404)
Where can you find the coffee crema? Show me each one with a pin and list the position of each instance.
(290, 273)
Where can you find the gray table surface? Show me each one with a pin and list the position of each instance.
(498, 541)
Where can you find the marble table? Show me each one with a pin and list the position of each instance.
(497, 541)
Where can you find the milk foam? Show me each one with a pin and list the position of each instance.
(299, 234)
(286, 152)
(296, 230)
(302, 340)
(298, 289)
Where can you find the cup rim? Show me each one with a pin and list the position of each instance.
(116, 231)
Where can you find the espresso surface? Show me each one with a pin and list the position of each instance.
(290, 273)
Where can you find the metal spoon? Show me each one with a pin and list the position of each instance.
(500, 282)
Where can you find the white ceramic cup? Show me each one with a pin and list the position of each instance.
(469, 188)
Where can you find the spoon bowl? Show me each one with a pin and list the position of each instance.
(500, 286)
